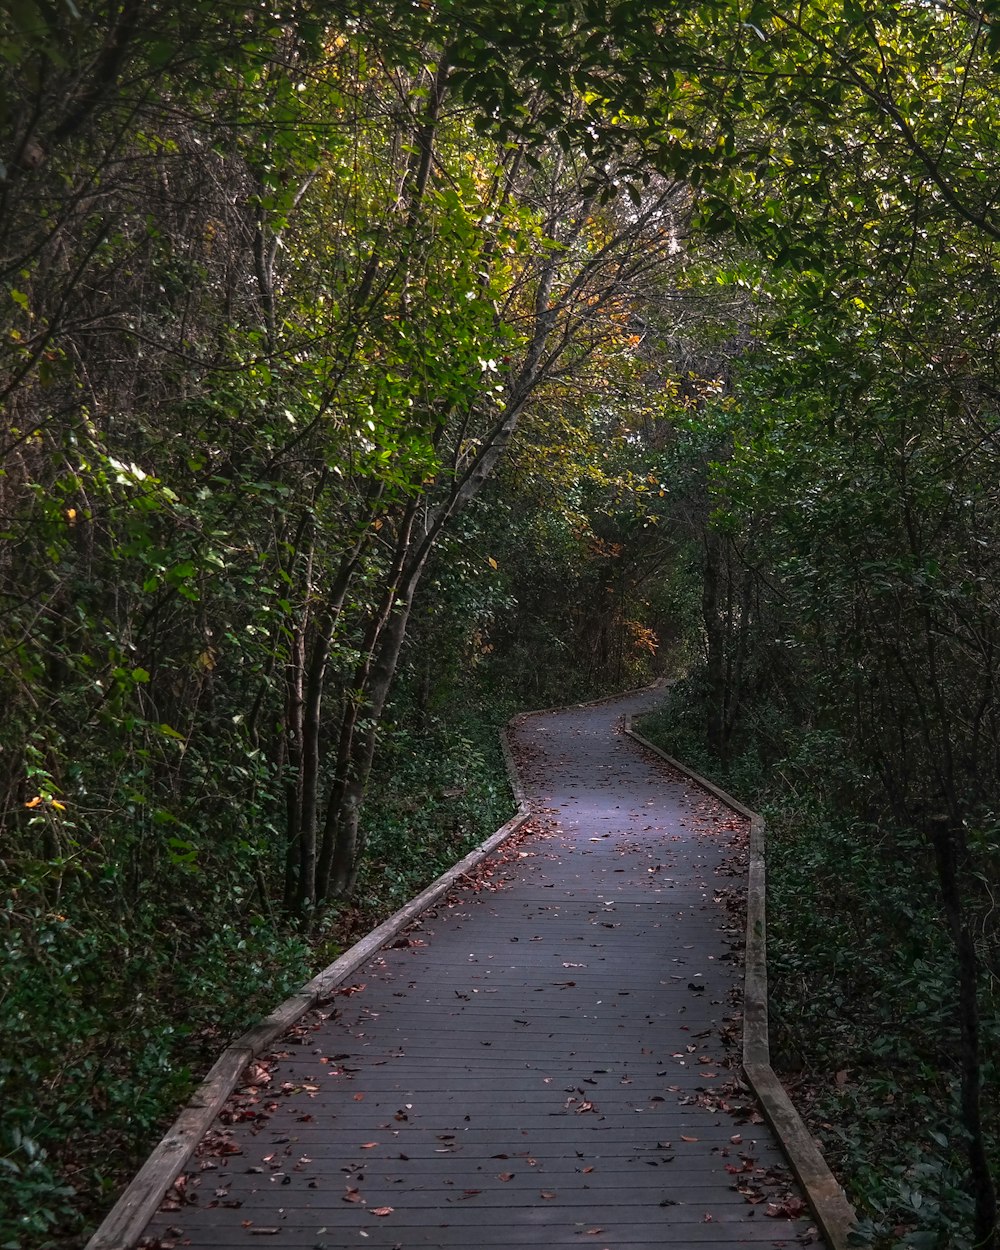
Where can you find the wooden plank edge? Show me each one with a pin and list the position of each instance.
(362, 951)
(513, 773)
(125, 1223)
(704, 782)
(834, 1215)
(756, 1030)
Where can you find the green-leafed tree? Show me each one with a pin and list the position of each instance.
(856, 479)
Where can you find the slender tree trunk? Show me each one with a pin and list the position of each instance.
(293, 799)
(740, 651)
(310, 764)
(342, 843)
(346, 846)
(343, 791)
(715, 640)
(949, 842)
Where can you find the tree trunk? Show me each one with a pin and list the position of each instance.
(949, 849)
(293, 797)
(342, 841)
(715, 641)
(310, 764)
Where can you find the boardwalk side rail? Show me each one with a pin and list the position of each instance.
(834, 1215)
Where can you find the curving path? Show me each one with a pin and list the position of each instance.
(544, 1061)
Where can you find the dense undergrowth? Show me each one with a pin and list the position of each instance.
(862, 983)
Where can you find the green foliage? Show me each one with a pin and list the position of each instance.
(31, 1191)
(440, 790)
(96, 1063)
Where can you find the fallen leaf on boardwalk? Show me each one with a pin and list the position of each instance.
(505, 1176)
(358, 1097)
(382, 1210)
(352, 1195)
(547, 1193)
(593, 1232)
(708, 1218)
(788, 1209)
(683, 1138)
(369, 1145)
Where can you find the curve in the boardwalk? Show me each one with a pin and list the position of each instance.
(545, 1059)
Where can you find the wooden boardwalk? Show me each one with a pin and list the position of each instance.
(546, 1061)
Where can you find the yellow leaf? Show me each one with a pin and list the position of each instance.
(492, 563)
(58, 806)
